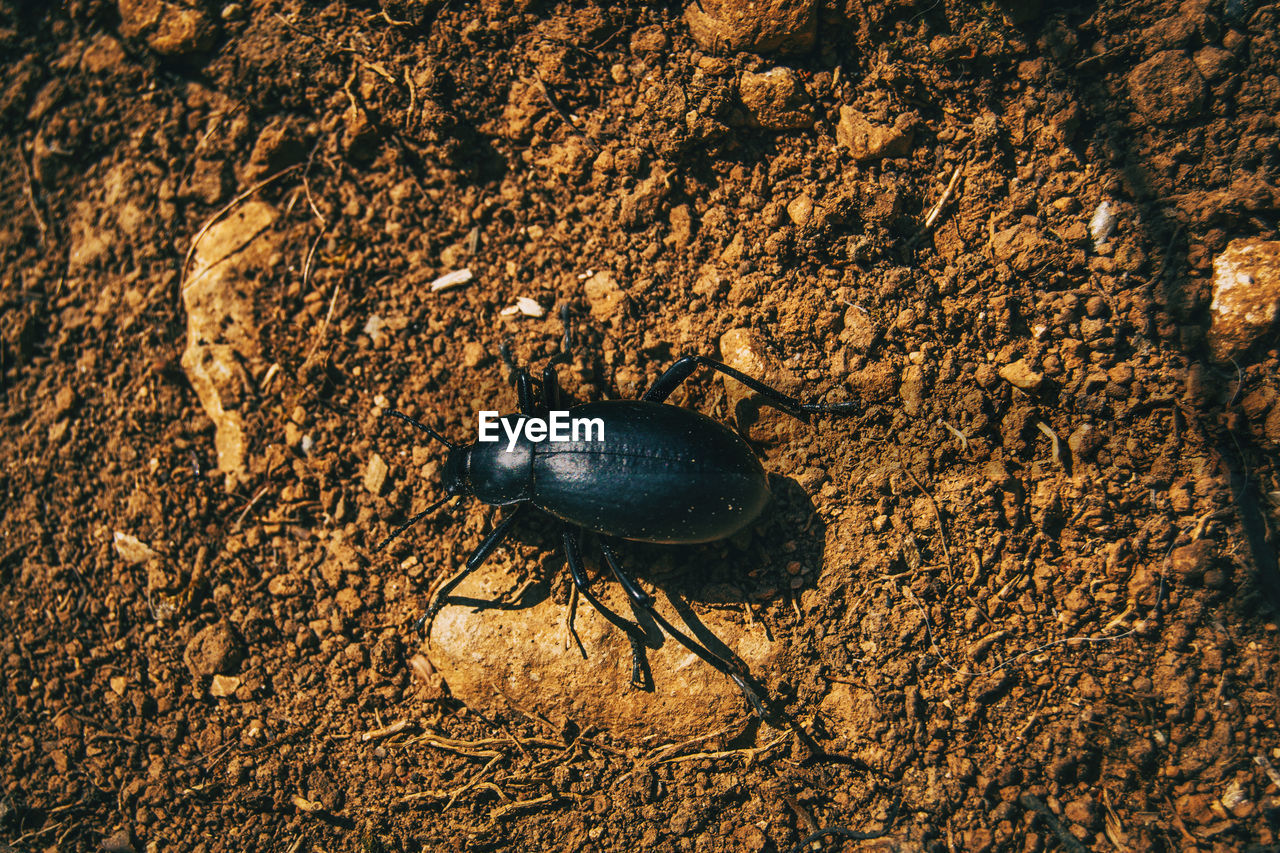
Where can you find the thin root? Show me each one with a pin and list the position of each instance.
(227, 208)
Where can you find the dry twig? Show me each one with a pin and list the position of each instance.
(936, 211)
(28, 190)
(937, 513)
(503, 811)
(751, 753)
(1057, 443)
(482, 748)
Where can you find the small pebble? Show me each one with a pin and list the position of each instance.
(1021, 375)
(215, 650)
(800, 210)
(375, 475)
(1084, 442)
(606, 298)
(776, 99)
(349, 601)
(223, 686)
(119, 842)
(473, 354)
(1082, 811)
(1192, 561)
(64, 402)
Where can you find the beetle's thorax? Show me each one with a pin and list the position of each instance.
(499, 473)
(456, 481)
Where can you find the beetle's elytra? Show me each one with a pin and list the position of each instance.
(662, 474)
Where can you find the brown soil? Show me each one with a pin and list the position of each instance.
(1043, 607)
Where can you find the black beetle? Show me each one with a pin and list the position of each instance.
(662, 474)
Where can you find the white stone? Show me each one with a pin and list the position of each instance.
(450, 280)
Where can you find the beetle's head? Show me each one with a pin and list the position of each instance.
(456, 481)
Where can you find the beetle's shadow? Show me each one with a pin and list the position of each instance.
(754, 568)
(529, 595)
(740, 575)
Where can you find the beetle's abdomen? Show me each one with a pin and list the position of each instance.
(662, 474)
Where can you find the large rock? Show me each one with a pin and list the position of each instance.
(220, 295)
(1246, 297)
(758, 26)
(496, 656)
(169, 28)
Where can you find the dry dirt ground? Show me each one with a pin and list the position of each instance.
(1026, 600)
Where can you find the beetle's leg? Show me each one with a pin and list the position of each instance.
(573, 555)
(661, 389)
(475, 561)
(566, 343)
(411, 522)
(524, 392)
(551, 392)
(644, 601)
(569, 615)
(519, 377)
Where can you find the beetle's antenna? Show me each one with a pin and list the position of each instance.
(420, 425)
(411, 522)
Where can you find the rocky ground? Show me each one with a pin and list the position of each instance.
(1025, 599)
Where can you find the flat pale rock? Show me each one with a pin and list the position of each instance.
(131, 549)
(220, 296)
(221, 288)
(1246, 297)
(1022, 375)
(491, 657)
